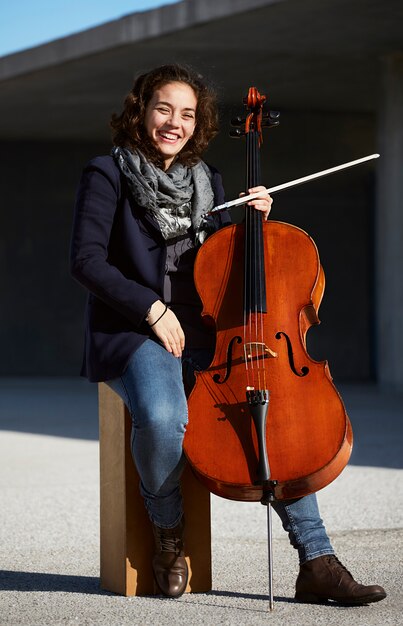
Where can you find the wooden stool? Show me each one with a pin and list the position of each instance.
(127, 544)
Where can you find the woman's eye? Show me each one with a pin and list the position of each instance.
(162, 110)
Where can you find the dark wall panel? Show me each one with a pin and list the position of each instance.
(41, 312)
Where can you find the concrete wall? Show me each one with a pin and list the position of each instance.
(41, 315)
(389, 227)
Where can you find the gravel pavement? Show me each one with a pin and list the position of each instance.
(49, 520)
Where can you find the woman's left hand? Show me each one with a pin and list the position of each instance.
(261, 204)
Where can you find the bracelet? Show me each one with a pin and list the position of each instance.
(162, 315)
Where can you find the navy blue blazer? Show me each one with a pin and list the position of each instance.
(118, 254)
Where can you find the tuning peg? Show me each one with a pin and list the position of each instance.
(273, 115)
(236, 133)
(271, 118)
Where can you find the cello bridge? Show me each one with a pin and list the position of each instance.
(258, 350)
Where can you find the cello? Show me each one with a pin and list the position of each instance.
(265, 419)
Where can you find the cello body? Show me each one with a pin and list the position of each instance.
(308, 435)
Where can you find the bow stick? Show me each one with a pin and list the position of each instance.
(291, 183)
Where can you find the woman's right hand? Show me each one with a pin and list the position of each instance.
(167, 328)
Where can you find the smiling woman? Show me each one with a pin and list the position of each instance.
(140, 218)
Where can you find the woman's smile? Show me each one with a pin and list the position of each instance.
(166, 136)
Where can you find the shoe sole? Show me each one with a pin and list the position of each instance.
(311, 598)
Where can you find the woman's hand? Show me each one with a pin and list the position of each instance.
(166, 326)
(261, 204)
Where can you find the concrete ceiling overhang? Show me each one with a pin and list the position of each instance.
(318, 55)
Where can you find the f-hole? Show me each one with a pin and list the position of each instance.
(304, 370)
(217, 377)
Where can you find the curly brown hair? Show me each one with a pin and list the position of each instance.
(128, 130)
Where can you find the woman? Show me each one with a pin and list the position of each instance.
(138, 224)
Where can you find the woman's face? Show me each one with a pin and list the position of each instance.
(170, 118)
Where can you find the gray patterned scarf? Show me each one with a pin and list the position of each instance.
(177, 198)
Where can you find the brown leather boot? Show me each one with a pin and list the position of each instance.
(169, 563)
(325, 578)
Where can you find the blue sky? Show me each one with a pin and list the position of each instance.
(27, 23)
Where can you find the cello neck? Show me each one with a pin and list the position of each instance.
(254, 279)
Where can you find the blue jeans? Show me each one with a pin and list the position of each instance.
(152, 387)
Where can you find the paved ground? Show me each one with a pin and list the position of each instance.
(49, 523)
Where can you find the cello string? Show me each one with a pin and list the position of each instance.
(246, 270)
(262, 289)
(257, 249)
(251, 276)
(254, 285)
(262, 319)
(259, 261)
(256, 257)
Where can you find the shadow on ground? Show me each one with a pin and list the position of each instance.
(69, 408)
(35, 581)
